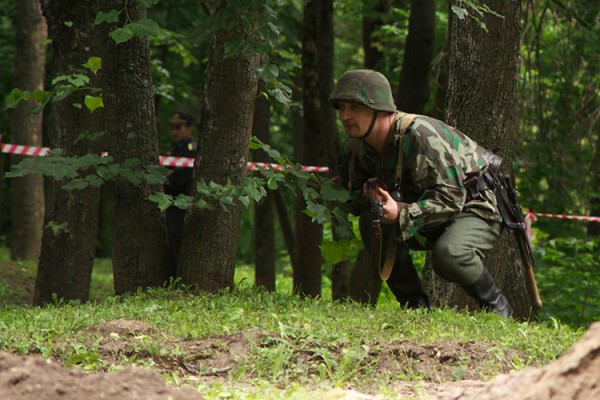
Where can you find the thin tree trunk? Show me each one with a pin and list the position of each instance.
(71, 218)
(211, 236)
(413, 90)
(264, 216)
(319, 133)
(27, 193)
(373, 19)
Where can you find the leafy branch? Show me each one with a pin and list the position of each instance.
(475, 11)
(62, 87)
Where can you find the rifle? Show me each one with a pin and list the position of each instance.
(512, 216)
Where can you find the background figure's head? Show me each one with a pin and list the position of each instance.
(181, 126)
(360, 96)
(366, 87)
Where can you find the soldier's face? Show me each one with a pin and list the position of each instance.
(355, 118)
(180, 131)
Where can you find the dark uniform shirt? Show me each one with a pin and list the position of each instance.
(179, 177)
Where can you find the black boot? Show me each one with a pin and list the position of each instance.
(488, 295)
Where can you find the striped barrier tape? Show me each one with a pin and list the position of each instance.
(166, 161)
(560, 216)
(169, 161)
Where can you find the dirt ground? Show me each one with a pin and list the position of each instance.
(451, 370)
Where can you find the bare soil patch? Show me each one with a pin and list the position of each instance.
(450, 370)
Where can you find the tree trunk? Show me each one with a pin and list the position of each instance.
(264, 215)
(318, 144)
(139, 237)
(372, 22)
(27, 193)
(71, 219)
(211, 236)
(413, 90)
(481, 103)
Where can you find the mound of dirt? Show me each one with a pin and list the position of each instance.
(32, 377)
(575, 375)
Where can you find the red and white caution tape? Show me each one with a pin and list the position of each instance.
(571, 217)
(169, 161)
(166, 161)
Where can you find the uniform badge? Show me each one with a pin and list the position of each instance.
(190, 146)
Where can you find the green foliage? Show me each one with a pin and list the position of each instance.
(559, 103)
(475, 10)
(568, 277)
(62, 87)
(90, 170)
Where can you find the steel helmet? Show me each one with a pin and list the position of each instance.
(364, 86)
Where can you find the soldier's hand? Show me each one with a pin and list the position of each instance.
(391, 208)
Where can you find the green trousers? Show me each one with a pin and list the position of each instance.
(457, 253)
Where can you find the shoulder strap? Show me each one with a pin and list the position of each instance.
(403, 123)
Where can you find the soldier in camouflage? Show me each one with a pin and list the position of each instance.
(429, 191)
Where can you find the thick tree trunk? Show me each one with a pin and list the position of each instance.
(211, 236)
(139, 237)
(318, 144)
(413, 90)
(27, 193)
(481, 103)
(264, 212)
(71, 219)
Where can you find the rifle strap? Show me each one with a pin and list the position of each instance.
(402, 124)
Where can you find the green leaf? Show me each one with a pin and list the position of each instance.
(272, 183)
(330, 192)
(183, 201)
(16, 96)
(109, 17)
(93, 64)
(144, 27)
(69, 24)
(41, 96)
(334, 252)
(76, 184)
(163, 201)
(93, 102)
(121, 35)
(460, 12)
(57, 228)
(78, 80)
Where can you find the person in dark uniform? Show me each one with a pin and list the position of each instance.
(178, 178)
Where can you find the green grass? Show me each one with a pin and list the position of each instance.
(343, 336)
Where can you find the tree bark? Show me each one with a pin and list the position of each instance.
(372, 21)
(319, 139)
(27, 193)
(211, 236)
(264, 216)
(71, 219)
(481, 103)
(139, 237)
(413, 90)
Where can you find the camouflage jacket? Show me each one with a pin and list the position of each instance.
(438, 162)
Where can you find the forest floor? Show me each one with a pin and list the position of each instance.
(449, 369)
